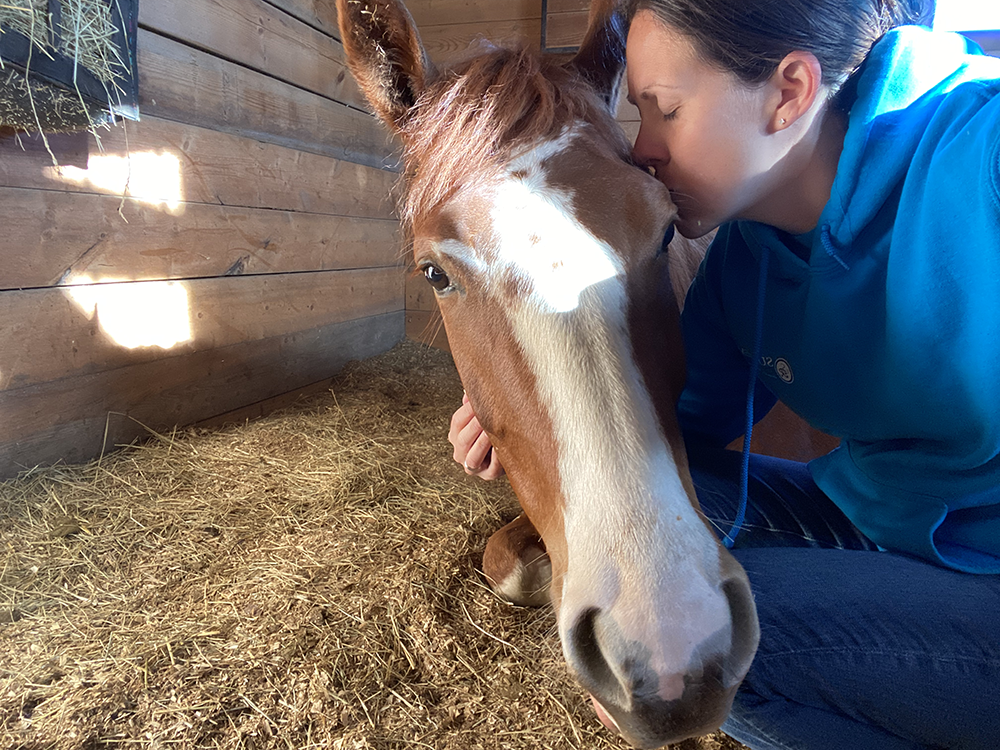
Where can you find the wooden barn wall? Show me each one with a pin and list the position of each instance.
(257, 252)
(447, 27)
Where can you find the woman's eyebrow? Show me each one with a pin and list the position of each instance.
(645, 93)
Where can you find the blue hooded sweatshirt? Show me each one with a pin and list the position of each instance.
(888, 336)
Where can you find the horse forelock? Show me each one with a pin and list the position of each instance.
(473, 118)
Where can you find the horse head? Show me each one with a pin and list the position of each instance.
(545, 248)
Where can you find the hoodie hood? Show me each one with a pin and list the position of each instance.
(900, 88)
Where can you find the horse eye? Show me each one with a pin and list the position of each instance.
(437, 278)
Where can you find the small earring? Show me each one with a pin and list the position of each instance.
(782, 120)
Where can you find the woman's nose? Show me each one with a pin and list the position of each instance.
(647, 152)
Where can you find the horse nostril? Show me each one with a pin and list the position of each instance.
(745, 629)
(585, 655)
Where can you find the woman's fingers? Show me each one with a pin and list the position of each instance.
(479, 451)
(472, 446)
(483, 460)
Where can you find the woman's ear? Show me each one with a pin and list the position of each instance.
(797, 82)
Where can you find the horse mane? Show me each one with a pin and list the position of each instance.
(473, 117)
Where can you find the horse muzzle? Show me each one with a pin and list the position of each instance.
(652, 705)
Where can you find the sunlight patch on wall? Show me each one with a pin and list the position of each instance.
(147, 176)
(136, 313)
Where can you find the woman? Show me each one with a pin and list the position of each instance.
(853, 171)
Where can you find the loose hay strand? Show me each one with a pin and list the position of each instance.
(305, 580)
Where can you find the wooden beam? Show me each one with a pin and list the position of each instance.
(74, 419)
(565, 29)
(320, 14)
(568, 6)
(211, 167)
(58, 333)
(187, 85)
(447, 41)
(428, 13)
(419, 294)
(259, 36)
(426, 327)
(56, 238)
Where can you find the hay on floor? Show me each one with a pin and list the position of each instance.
(307, 580)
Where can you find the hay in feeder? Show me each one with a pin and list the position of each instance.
(27, 104)
(83, 31)
(307, 580)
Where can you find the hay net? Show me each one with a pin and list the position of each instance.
(83, 31)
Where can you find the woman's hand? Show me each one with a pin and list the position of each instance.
(473, 448)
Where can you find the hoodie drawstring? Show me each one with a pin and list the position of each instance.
(730, 539)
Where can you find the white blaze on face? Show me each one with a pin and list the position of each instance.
(542, 239)
(626, 507)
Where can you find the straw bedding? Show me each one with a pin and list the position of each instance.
(305, 580)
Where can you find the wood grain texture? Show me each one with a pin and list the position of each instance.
(447, 41)
(320, 14)
(72, 420)
(56, 238)
(419, 294)
(57, 333)
(184, 84)
(211, 167)
(450, 12)
(427, 327)
(262, 37)
(565, 29)
(568, 6)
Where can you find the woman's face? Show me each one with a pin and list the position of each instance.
(703, 131)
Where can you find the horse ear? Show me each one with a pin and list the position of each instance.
(601, 57)
(385, 54)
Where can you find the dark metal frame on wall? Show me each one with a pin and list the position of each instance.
(121, 97)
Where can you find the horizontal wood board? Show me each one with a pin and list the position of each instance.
(212, 167)
(75, 419)
(89, 328)
(426, 327)
(320, 14)
(185, 84)
(260, 36)
(59, 238)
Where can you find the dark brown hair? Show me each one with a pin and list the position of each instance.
(749, 38)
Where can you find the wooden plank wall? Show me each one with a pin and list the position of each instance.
(257, 250)
(447, 27)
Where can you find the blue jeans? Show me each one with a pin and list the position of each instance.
(859, 649)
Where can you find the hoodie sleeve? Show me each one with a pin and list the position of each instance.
(712, 407)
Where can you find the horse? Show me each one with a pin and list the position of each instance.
(545, 247)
